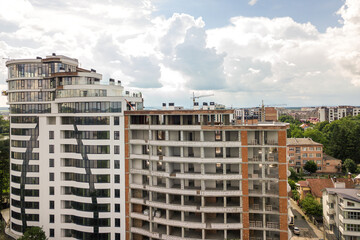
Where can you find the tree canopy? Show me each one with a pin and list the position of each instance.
(310, 166)
(34, 233)
(350, 165)
(341, 138)
(311, 206)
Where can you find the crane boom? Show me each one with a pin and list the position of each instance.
(200, 96)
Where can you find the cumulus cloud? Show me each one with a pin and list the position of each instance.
(203, 66)
(252, 58)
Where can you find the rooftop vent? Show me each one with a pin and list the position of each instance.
(119, 82)
(112, 81)
(38, 57)
(54, 54)
(171, 104)
(93, 70)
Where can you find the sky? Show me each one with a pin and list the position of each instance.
(293, 52)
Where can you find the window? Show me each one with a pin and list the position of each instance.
(117, 222)
(52, 232)
(116, 121)
(350, 204)
(52, 205)
(291, 154)
(116, 149)
(311, 155)
(51, 218)
(318, 155)
(353, 227)
(291, 149)
(51, 190)
(327, 164)
(311, 149)
(116, 135)
(318, 148)
(117, 178)
(318, 162)
(297, 150)
(117, 236)
(51, 162)
(117, 207)
(117, 193)
(51, 176)
(304, 161)
(304, 155)
(51, 148)
(353, 215)
(51, 134)
(117, 164)
(304, 149)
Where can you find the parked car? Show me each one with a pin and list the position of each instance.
(296, 231)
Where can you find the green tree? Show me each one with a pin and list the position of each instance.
(350, 165)
(293, 175)
(295, 195)
(292, 184)
(310, 166)
(343, 138)
(311, 206)
(34, 233)
(4, 171)
(315, 134)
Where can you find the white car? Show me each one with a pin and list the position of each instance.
(296, 231)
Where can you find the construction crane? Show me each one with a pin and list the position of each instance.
(200, 96)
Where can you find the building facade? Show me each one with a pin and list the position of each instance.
(335, 113)
(67, 151)
(301, 150)
(341, 211)
(196, 174)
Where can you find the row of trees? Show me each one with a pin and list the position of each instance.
(4, 161)
(341, 138)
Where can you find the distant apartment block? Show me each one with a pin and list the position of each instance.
(335, 113)
(341, 213)
(256, 115)
(196, 174)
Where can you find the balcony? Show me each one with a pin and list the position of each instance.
(253, 142)
(273, 225)
(256, 224)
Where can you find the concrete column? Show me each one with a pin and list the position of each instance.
(181, 136)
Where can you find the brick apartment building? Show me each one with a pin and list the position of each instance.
(196, 174)
(301, 150)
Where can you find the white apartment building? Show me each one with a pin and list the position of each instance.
(335, 113)
(197, 174)
(341, 211)
(67, 149)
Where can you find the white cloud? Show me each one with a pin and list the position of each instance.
(252, 2)
(252, 58)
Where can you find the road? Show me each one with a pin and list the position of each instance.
(307, 230)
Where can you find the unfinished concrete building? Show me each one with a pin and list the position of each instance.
(195, 174)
